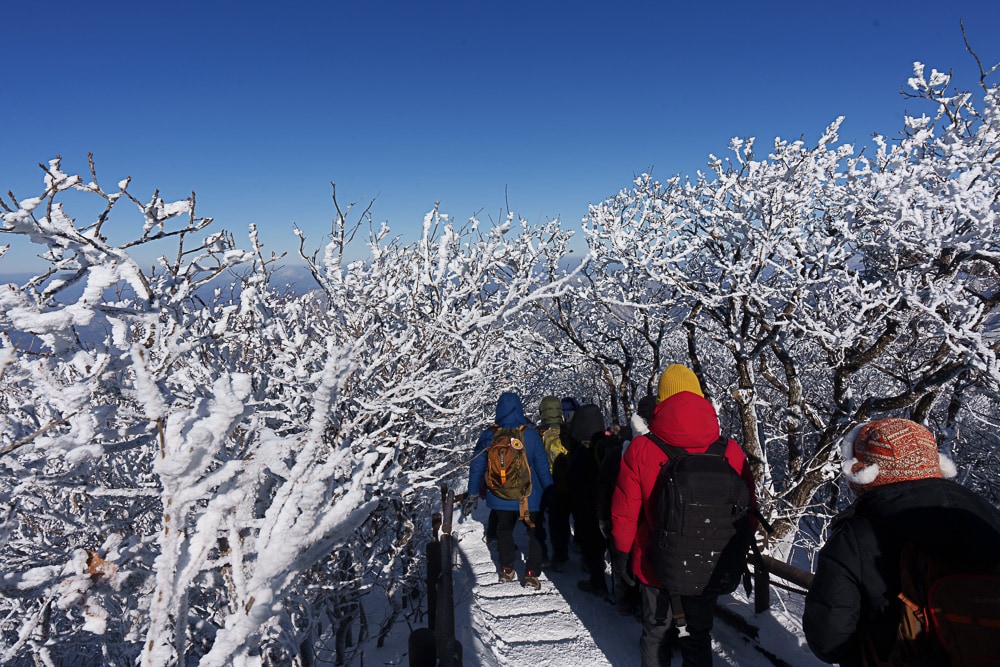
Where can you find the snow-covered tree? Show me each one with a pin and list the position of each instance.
(823, 288)
(216, 473)
(198, 466)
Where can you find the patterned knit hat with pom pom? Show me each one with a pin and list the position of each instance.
(891, 450)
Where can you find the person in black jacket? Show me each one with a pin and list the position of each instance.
(894, 469)
(587, 437)
(624, 589)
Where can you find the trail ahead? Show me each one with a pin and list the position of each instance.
(562, 626)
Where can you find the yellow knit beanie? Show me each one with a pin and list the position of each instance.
(675, 379)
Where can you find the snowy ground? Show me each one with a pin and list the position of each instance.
(561, 626)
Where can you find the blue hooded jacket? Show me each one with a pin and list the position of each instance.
(510, 414)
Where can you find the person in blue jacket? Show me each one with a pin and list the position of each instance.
(510, 414)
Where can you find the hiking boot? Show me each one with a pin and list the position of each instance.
(628, 608)
(507, 575)
(531, 581)
(588, 586)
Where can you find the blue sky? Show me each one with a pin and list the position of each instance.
(544, 107)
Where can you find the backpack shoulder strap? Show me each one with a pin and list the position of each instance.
(718, 448)
(671, 451)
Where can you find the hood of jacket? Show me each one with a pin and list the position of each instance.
(587, 420)
(510, 410)
(686, 420)
(550, 412)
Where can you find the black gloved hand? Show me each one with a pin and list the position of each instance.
(619, 561)
(468, 504)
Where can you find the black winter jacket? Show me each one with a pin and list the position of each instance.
(857, 572)
(607, 478)
(585, 429)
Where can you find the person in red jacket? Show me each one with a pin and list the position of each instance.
(683, 418)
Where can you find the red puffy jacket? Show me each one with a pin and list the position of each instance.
(684, 420)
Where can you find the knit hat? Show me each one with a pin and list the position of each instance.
(891, 450)
(675, 379)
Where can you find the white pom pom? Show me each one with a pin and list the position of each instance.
(862, 477)
(948, 469)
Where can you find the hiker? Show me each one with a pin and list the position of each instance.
(510, 415)
(624, 590)
(588, 438)
(556, 503)
(683, 418)
(902, 496)
(569, 406)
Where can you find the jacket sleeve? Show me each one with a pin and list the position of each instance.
(831, 619)
(626, 501)
(477, 468)
(607, 479)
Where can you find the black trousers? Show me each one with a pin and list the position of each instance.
(491, 526)
(558, 509)
(592, 546)
(506, 520)
(654, 643)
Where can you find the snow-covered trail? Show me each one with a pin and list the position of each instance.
(560, 625)
(507, 624)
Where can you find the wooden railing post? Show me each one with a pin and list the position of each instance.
(436, 645)
(448, 649)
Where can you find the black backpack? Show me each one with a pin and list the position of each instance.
(701, 522)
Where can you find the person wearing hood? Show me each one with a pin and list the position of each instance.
(556, 504)
(569, 406)
(903, 496)
(625, 592)
(589, 442)
(510, 414)
(682, 418)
